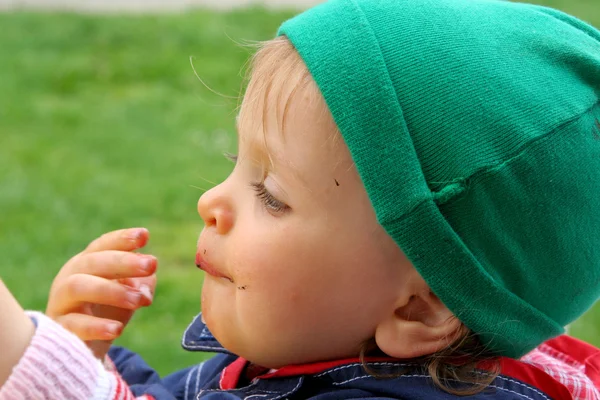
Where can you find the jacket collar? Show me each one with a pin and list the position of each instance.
(197, 337)
(528, 377)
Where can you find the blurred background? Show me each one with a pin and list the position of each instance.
(104, 125)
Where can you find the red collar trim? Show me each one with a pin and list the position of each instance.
(315, 368)
(509, 367)
(232, 373)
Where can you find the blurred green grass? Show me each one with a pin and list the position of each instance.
(104, 125)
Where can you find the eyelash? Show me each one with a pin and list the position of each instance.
(262, 193)
(267, 198)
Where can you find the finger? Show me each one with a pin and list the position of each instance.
(88, 327)
(113, 264)
(147, 288)
(150, 281)
(124, 240)
(146, 285)
(82, 288)
(114, 313)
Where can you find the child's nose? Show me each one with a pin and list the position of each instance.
(215, 208)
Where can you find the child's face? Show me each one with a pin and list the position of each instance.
(298, 268)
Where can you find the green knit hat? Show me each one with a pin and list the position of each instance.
(475, 127)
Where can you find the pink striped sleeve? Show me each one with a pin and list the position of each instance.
(57, 365)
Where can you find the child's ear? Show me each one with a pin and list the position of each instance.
(420, 324)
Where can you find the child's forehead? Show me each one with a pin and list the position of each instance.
(281, 99)
(278, 75)
(283, 119)
(286, 126)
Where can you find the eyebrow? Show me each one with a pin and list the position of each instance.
(259, 151)
(262, 156)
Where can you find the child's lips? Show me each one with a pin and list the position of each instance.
(209, 269)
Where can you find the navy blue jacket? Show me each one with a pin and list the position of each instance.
(220, 378)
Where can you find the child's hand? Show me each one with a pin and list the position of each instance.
(96, 292)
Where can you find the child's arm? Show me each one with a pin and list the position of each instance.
(56, 365)
(16, 331)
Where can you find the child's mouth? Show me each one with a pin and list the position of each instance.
(209, 269)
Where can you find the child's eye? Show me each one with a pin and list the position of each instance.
(231, 157)
(270, 202)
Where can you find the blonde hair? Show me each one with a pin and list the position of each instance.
(463, 368)
(275, 77)
(277, 70)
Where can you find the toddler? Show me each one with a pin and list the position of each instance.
(412, 215)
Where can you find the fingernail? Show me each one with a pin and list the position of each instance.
(148, 263)
(113, 329)
(137, 234)
(133, 298)
(146, 292)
